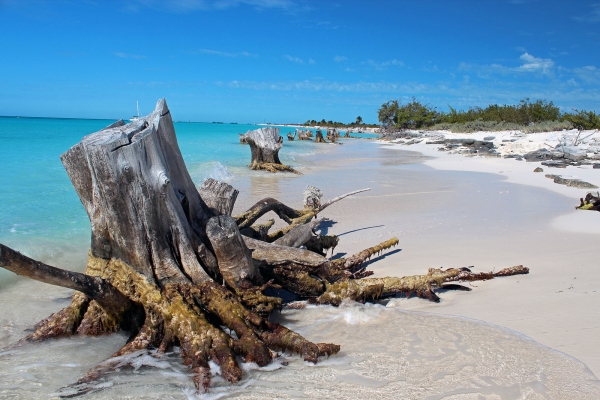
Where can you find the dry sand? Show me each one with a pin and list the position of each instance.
(456, 211)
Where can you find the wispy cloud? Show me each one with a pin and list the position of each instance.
(588, 74)
(318, 86)
(127, 55)
(298, 60)
(185, 6)
(326, 25)
(340, 59)
(529, 64)
(592, 16)
(223, 53)
(382, 65)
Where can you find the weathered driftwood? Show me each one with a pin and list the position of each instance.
(291, 137)
(319, 137)
(265, 144)
(218, 196)
(590, 202)
(332, 134)
(169, 264)
(304, 134)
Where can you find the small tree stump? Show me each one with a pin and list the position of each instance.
(319, 137)
(265, 144)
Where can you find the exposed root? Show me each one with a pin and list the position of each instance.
(97, 321)
(356, 261)
(272, 167)
(422, 285)
(322, 243)
(63, 323)
(249, 217)
(291, 216)
(281, 337)
(296, 279)
(253, 298)
(590, 202)
(258, 231)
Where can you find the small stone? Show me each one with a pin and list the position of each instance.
(538, 169)
(489, 138)
(596, 166)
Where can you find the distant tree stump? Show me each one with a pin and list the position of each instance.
(265, 144)
(319, 137)
(304, 134)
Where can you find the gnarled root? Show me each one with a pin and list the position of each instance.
(355, 262)
(253, 298)
(590, 202)
(280, 337)
(190, 315)
(63, 323)
(422, 285)
(272, 167)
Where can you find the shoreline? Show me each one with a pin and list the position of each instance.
(453, 211)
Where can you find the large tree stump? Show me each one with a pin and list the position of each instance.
(265, 144)
(169, 264)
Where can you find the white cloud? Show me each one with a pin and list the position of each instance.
(530, 64)
(126, 55)
(311, 61)
(592, 16)
(294, 59)
(535, 64)
(224, 53)
(318, 86)
(588, 74)
(382, 65)
(184, 6)
(340, 59)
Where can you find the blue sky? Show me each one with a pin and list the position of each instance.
(293, 60)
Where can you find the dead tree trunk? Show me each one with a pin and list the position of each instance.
(319, 137)
(291, 137)
(160, 250)
(304, 134)
(265, 144)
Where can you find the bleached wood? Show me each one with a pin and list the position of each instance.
(143, 206)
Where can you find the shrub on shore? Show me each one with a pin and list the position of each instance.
(527, 116)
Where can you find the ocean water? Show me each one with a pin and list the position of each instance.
(387, 353)
(42, 216)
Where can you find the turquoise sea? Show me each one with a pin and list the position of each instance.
(40, 213)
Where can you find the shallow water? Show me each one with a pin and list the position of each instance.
(386, 353)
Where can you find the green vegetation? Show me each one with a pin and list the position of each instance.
(527, 116)
(333, 124)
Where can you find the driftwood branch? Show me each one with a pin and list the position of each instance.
(94, 287)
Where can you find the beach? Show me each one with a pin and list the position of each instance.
(529, 336)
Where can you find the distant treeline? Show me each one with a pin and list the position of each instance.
(529, 116)
(356, 124)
